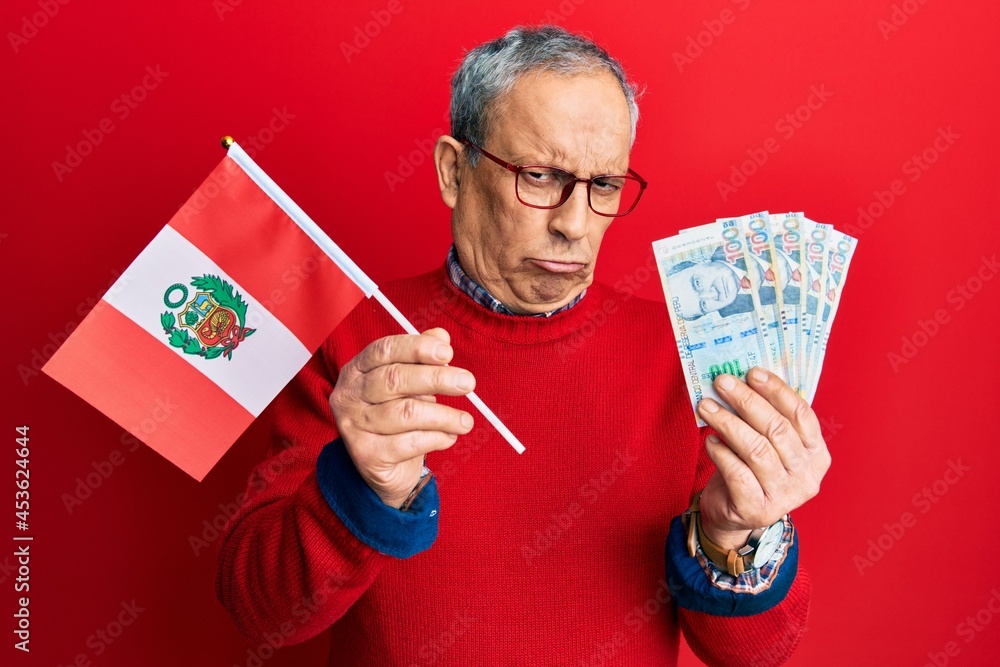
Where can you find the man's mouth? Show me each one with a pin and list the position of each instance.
(558, 267)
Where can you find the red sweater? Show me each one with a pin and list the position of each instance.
(552, 557)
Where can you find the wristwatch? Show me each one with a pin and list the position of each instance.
(425, 477)
(758, 550)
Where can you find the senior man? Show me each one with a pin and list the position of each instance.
(385, 517)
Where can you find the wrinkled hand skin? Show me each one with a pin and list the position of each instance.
(387, 413)
(770, 460)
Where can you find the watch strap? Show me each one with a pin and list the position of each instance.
(734, 561)
(731, 561)
(691, 524)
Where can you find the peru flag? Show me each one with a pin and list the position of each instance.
(212, 319)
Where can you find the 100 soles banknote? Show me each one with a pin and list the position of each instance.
(757, 290)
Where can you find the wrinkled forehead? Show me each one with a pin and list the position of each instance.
(579, 122)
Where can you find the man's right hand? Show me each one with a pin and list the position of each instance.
(387, 414)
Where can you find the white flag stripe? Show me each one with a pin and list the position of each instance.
(261, 364)
(300, 218)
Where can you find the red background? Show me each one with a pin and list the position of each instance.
(892, 431)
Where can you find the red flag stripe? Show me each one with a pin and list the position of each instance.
(170, 406)
(249, 237)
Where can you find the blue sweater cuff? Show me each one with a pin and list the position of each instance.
(383, 528)
(692, 588)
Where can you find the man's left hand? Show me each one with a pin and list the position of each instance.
(770, 460)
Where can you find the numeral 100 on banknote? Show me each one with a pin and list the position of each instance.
(731, 367)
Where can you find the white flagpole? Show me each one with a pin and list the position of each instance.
(476, 401)
(346, 264)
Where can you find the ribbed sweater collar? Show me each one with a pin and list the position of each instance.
(591, 310)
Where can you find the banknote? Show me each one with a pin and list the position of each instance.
(764, 280)
(814, 251)
(754, 290)
(840, 251)
(715, 325)
(786, 246)
(765, 284)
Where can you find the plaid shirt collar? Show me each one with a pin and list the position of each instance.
(484, 298)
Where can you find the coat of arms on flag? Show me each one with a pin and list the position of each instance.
(211, 324)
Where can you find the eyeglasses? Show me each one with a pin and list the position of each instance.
(540, 186)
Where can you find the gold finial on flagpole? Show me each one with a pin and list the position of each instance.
(227, 141)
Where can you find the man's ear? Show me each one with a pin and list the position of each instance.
(447, 152)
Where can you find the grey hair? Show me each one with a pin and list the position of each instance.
(489, 71)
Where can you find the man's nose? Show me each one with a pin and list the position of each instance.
(573, 217)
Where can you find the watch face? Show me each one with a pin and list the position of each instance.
(768, 543)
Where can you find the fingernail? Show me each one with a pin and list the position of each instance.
(441, 352)
(467, 420)
(714, 439)
(709, 405)
(758, 375)
(727, 382)
(464, 382)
